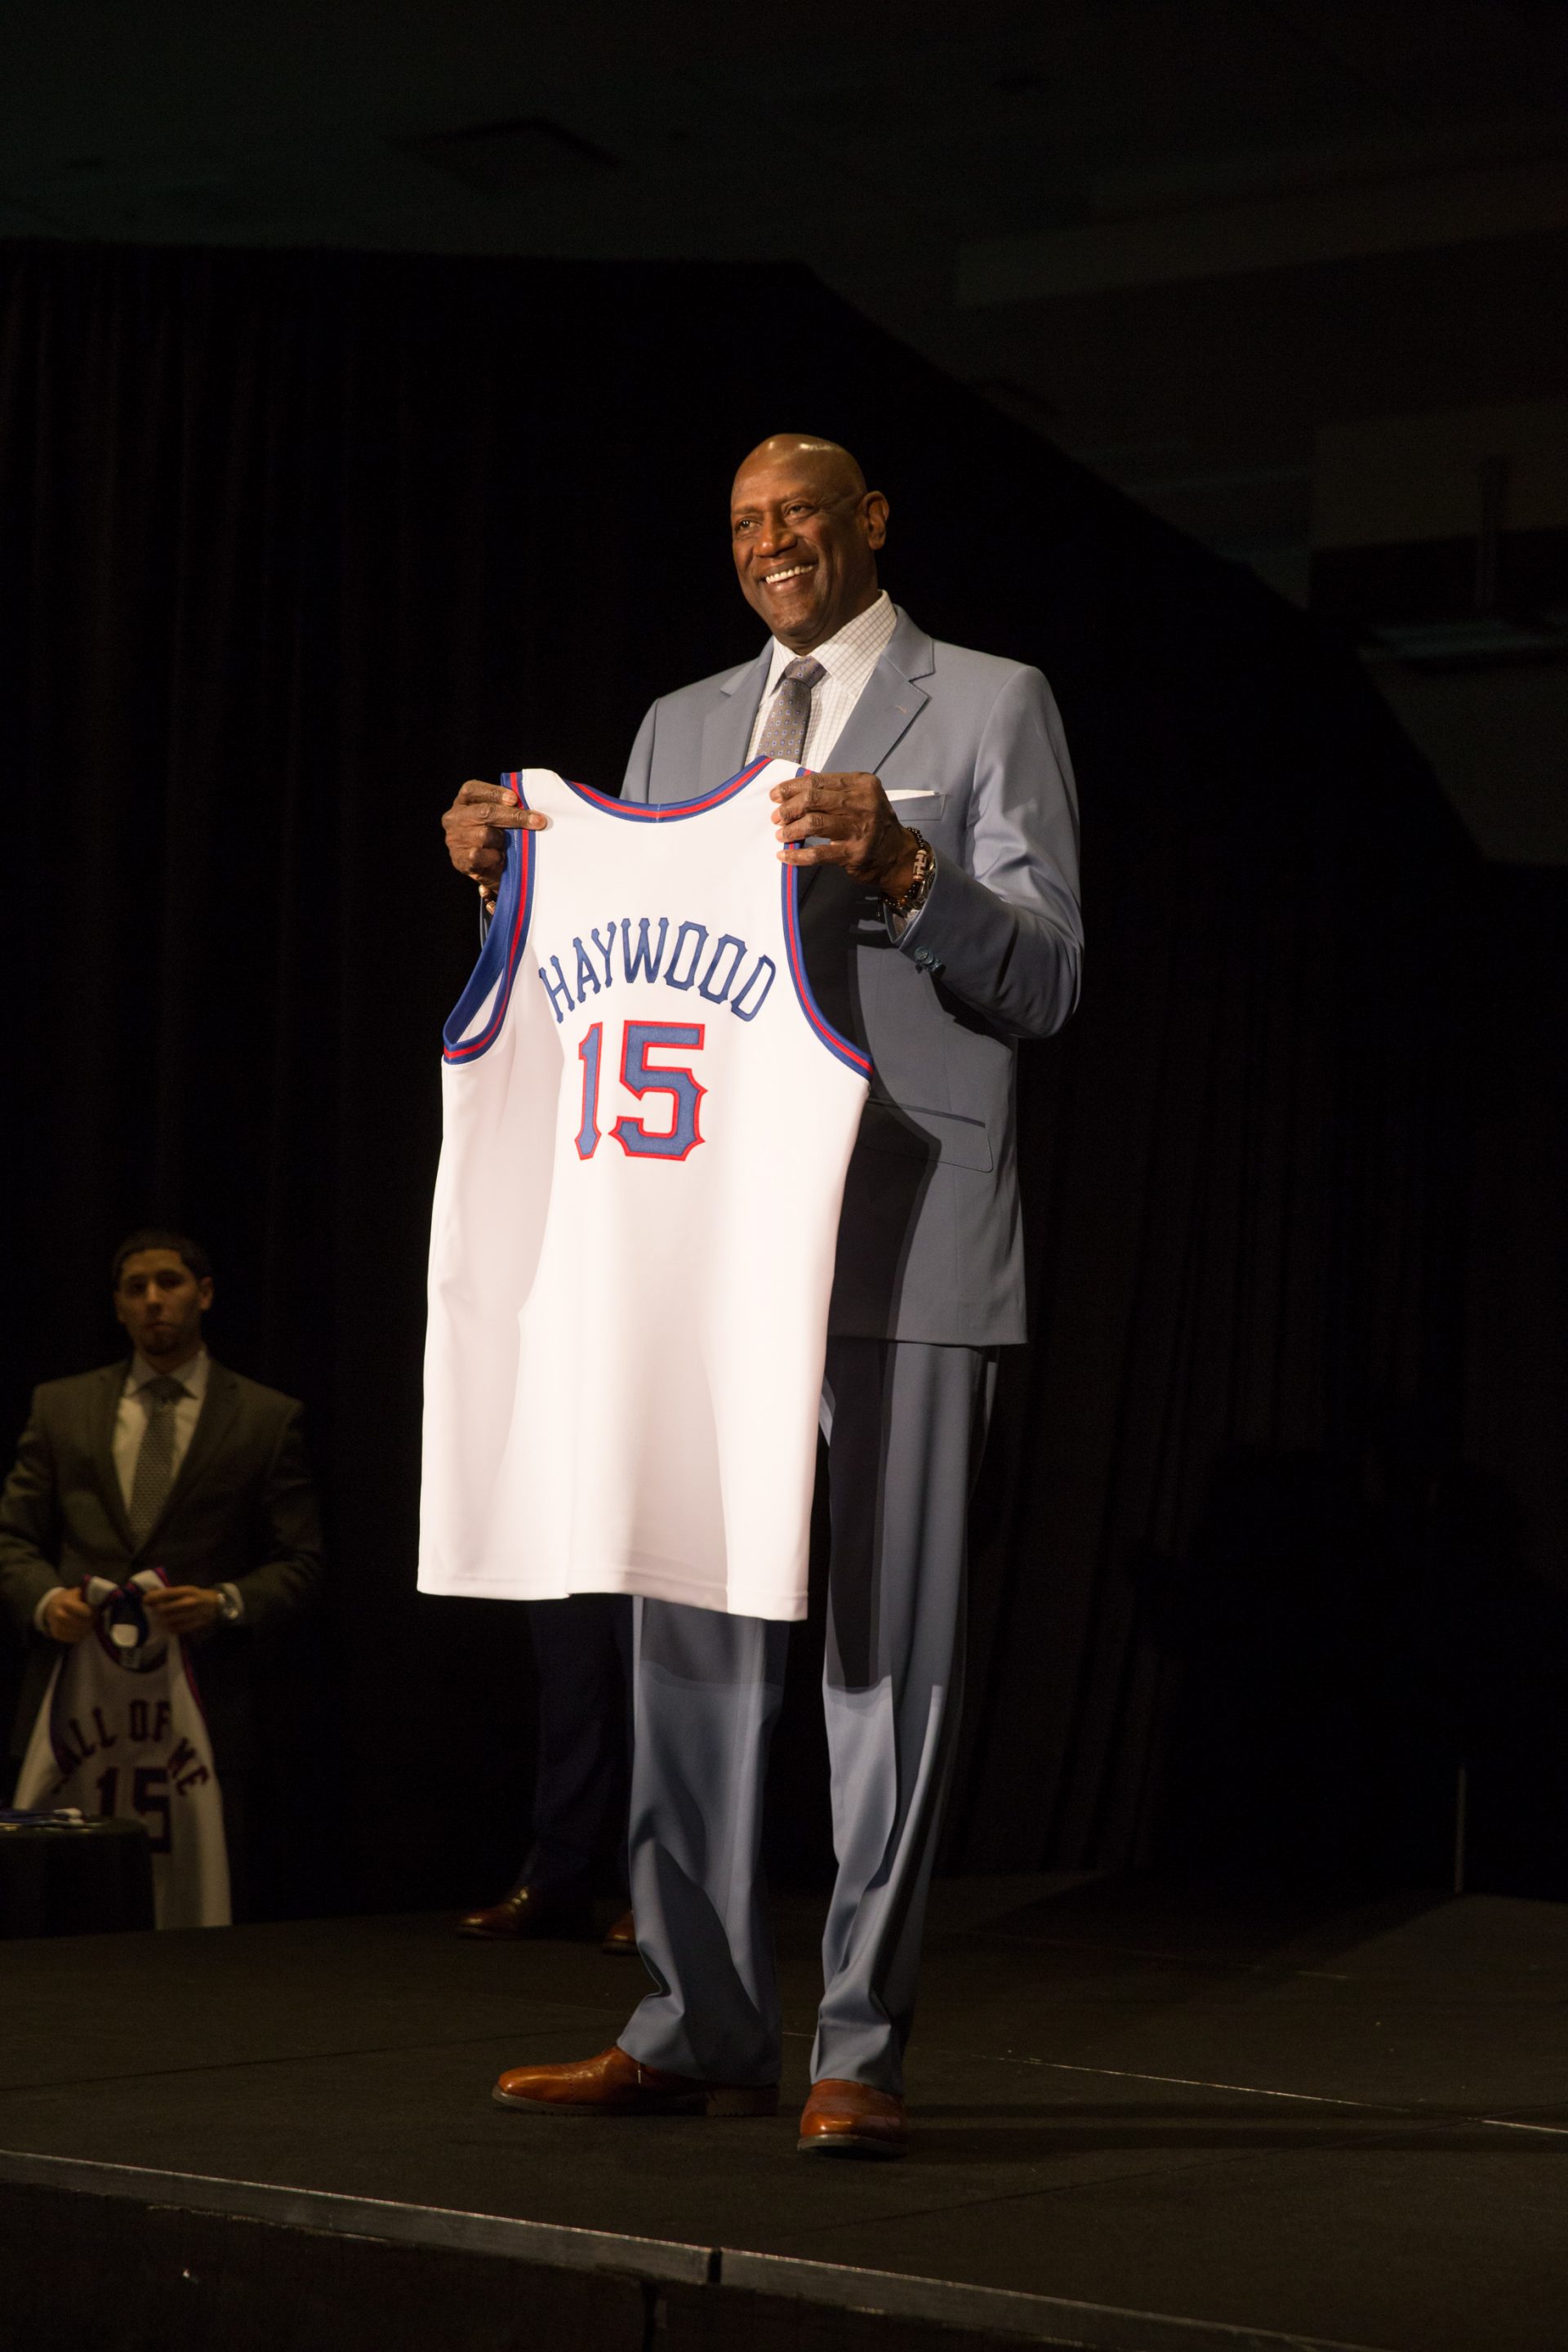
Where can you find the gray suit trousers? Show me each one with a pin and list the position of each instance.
(909, 1422)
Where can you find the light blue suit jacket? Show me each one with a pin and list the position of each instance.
(969, 749)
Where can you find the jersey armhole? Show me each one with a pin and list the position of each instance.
(843, 1048)
(480, 1013)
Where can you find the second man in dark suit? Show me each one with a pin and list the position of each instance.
(171, 1461)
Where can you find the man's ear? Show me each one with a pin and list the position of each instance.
(205, 1292)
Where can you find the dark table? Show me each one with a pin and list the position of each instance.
(74, 1879)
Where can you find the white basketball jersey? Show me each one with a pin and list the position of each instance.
(122, 1731)
(647, 1125)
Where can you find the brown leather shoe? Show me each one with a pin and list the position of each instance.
(529, 1911)
(844, 2118)
(623, 1936)
(614, 2085)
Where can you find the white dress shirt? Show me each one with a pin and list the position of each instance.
(848, 658)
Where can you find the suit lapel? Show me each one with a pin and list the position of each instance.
(888, 707)
(727, 729)
(890, 702)
(105, 1409)
(220, 1407)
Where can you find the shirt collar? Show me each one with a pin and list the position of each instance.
(193, 1376)
(869, 633)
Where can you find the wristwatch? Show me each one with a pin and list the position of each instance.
(911, 900)
(229, 1607)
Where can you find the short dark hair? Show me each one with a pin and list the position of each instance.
(146, 1238)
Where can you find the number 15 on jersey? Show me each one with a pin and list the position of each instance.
(641, 1077)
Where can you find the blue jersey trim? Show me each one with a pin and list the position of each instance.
(503, 945)
(648, 812)
(847, 1052)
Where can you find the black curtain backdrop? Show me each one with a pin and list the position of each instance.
(291, 543)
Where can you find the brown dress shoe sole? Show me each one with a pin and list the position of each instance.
(850, 2144)
(701, 2099)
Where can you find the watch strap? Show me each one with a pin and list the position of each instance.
(910, 901)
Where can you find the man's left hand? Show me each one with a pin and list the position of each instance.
(183, 1609)
(863, 835)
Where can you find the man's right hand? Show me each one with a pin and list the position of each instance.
(476, 827)
(67, 1616)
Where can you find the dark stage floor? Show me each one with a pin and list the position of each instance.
(1310, 2123)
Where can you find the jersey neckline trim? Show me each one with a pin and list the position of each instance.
(662, 812)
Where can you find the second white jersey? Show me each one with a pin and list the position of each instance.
(121, 1731)
(646, 1126)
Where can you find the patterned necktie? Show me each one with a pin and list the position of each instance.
(156, 1461)
(789, 714)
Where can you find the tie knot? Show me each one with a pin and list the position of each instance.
(804, 671)
(164, 1389)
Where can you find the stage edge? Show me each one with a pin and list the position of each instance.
(877, 2294)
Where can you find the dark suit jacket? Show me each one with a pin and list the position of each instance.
(241, 1511)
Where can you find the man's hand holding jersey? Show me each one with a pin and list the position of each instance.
(66, 1616)
(181, 1609)
(476, 827)
(848, 821)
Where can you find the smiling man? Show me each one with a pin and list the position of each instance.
(937, 832)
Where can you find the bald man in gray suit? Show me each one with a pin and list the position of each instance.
(937, 831)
